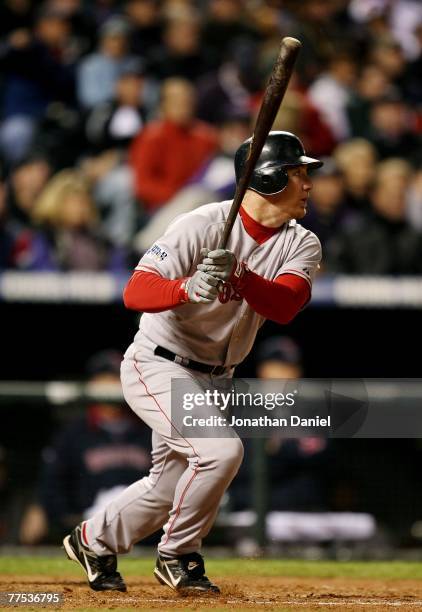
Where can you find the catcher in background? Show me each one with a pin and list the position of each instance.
(203, 307)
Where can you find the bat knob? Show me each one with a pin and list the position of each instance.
(289, 41)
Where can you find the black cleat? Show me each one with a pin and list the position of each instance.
(185, 574)
(101, 570)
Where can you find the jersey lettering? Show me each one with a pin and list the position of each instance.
(228, 294)
(224, 293)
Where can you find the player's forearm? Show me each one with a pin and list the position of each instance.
(278, 300)
(149, 292)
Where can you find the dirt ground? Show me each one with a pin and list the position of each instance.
(305, 594)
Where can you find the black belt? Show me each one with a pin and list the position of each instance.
(191, 363)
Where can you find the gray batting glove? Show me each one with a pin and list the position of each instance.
(220, 263)
(201, 288)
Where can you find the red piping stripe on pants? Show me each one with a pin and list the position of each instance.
(185, 490)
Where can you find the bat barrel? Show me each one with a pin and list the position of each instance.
(274, 94)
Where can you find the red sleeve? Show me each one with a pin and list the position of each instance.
(149, 292)
(278, 300)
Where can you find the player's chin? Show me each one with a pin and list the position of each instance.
(301, 210)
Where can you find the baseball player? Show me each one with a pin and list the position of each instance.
(203, 307)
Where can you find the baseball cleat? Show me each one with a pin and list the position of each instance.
(101, 570)
(185, 574)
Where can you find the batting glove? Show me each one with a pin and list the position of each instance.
(201, 288)
(220, 263)
(223, 265)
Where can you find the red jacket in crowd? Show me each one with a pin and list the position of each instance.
(165, 156)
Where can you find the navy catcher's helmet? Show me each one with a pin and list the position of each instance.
(281, 150)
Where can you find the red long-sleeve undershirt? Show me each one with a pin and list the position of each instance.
(149, 292)
(278, 300)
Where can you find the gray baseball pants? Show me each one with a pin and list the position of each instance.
(188, 477)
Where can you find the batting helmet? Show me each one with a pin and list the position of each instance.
(281, 150)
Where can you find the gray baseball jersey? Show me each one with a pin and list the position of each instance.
(189, 476)
(220, 333)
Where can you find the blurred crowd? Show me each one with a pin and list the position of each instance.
(115, 116)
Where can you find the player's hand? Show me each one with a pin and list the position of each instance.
(220, 263)
(201, 288)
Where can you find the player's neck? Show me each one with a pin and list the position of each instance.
(263, 211)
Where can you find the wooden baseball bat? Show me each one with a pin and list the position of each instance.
(273, 97)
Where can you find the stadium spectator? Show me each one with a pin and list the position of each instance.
(15, 15)
(327, 210)
(271, 22)
(112, 183)
(59, 135)
(316, 27)
(66, 237)
(412, 80)
(180, 53)
(391, 130)
(372, 85)
(97, 73)
(35, 72)
(109, 129)
(147, 26)
(170, 150)
(82, 24)
(26, 181)
(399, 18)
(114, 123)
(215, 181)
(357, 160)
(231, 88)
(226, 24)
(387, 54)
(91, 459)
(380, 241)
(298, 468)
(278, 357)
(298, 115)
(102, 10)
(331, 93)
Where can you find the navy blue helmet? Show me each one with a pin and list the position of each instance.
(281, 150)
